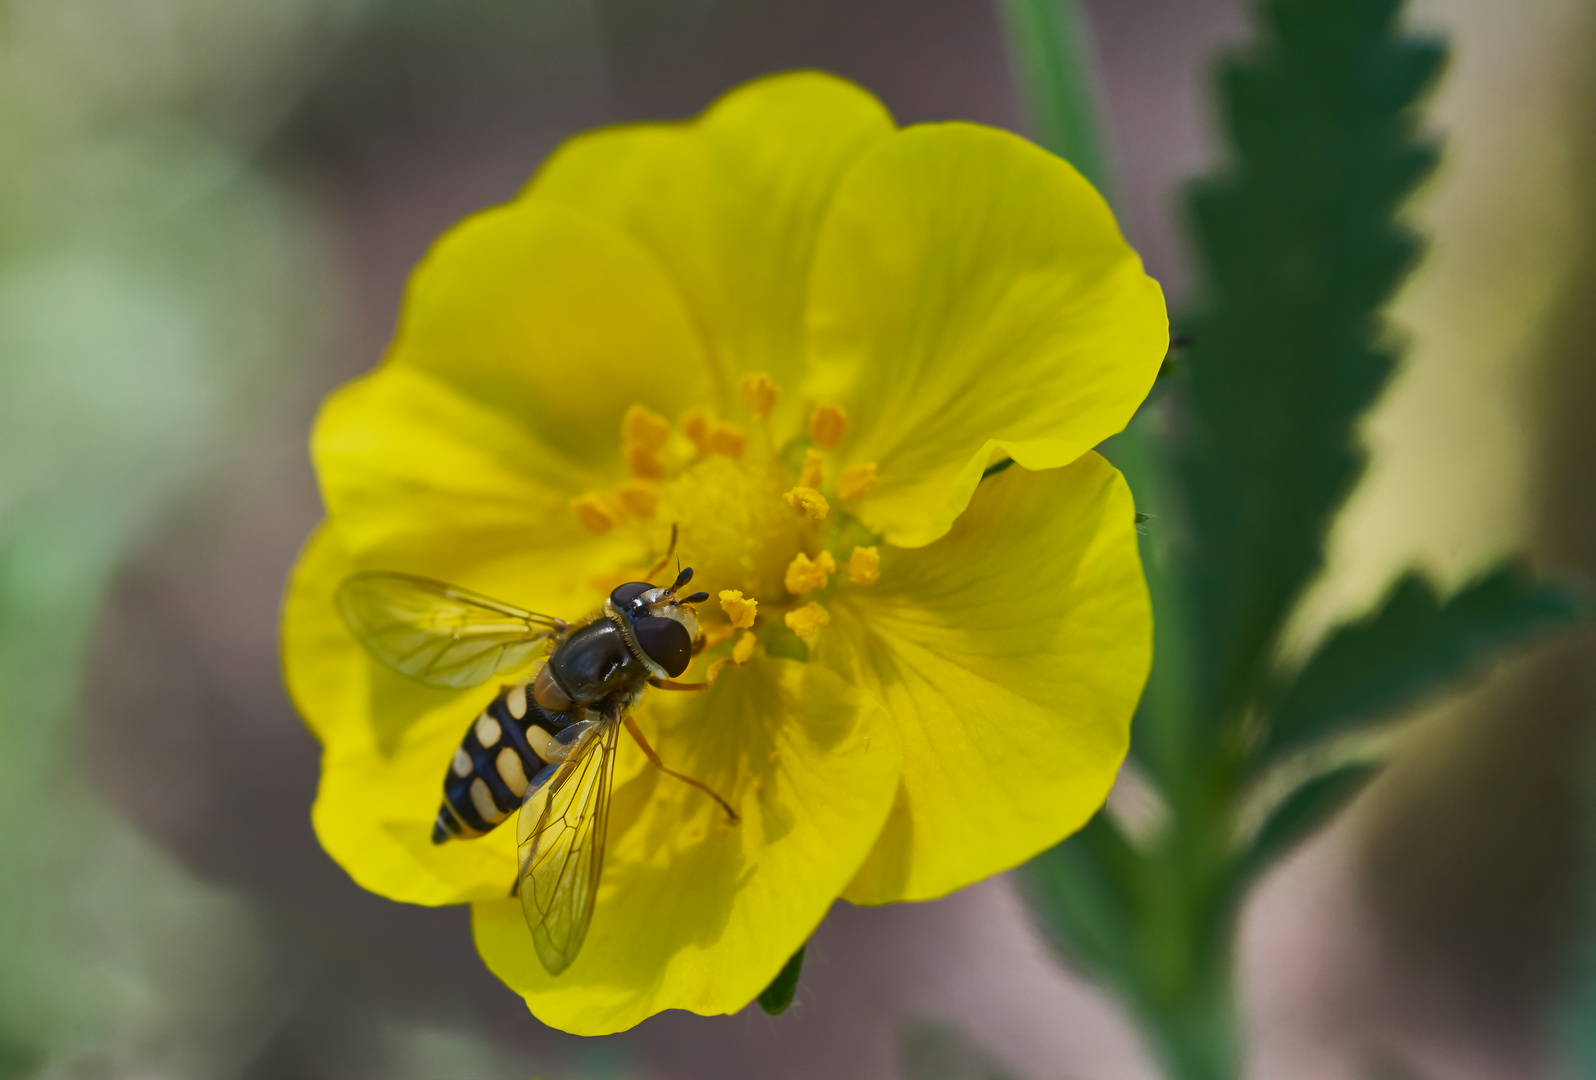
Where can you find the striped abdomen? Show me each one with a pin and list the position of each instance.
(504, 751)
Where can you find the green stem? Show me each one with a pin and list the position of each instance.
(1047, 39)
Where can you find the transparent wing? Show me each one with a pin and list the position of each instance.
(560, 835)
(439, 634)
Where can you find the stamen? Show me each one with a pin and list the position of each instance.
(856, 480)
(641, 497)
(807, 621)
(643, 436)
(826, 425)
(759, 394)
(645, 463)
(804, 574)
(744, 648)
(812, 475)
(695, 425)
(810, 501)
(740, 611)
(644, 428)
(727, 439)
(865, 566)
(596, 511)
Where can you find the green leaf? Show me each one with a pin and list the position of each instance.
(1302, 813)
(1084, 891)
(1414, 642)
(775, 998)
(1300, 248)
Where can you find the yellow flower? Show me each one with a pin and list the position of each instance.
(656, 333)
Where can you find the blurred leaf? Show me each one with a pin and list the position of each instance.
(775, 998)
(1412, 644)
(929, 1051)
(1047, 38)
(1085, 891)
(1300, 248)
(1302, 813)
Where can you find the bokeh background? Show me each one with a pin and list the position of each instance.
(207, 213)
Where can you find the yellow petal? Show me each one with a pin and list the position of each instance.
(386, 742)
(695, 913)
(973, 299)
(547, 315)
(730, 204)
(386, 739)
(1010, 655)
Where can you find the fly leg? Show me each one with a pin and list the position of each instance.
(670, 553)
(631, 725)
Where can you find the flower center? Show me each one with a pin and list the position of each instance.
(735, 526)
(755, 523)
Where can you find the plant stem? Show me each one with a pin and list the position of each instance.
(1047, 40)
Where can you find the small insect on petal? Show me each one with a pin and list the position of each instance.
(864, 567)
(727, 439)
(807, 621)
(743, 649)
(826, 425)
(739, 610)
(804, 573)
(856, 480)
(812, 475)
(759, 394)
(596, 513)
(810, 501)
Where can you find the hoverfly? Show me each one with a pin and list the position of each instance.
(546, 743)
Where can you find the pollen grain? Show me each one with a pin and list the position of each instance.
(864, 567)
(759, 394)
(856, 480)
(807, 621)
(739, 610)
(827, 424)
(810, 501)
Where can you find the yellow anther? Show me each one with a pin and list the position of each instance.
(644, 462)
(804, 574)
(695, 425)
(640, 497)
(715, 669)
(812, 475)
(759, 394)
(826, 425)
(856, 480)
(643, 428)
(865, 566)
(741, 612)
(809, 501)
(597, 512)
(807, 621)
(744, 648)
(727, 439)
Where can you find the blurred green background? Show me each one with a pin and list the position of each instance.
(207, 211)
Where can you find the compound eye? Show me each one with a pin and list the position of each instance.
(665, 641)
(625, 594)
